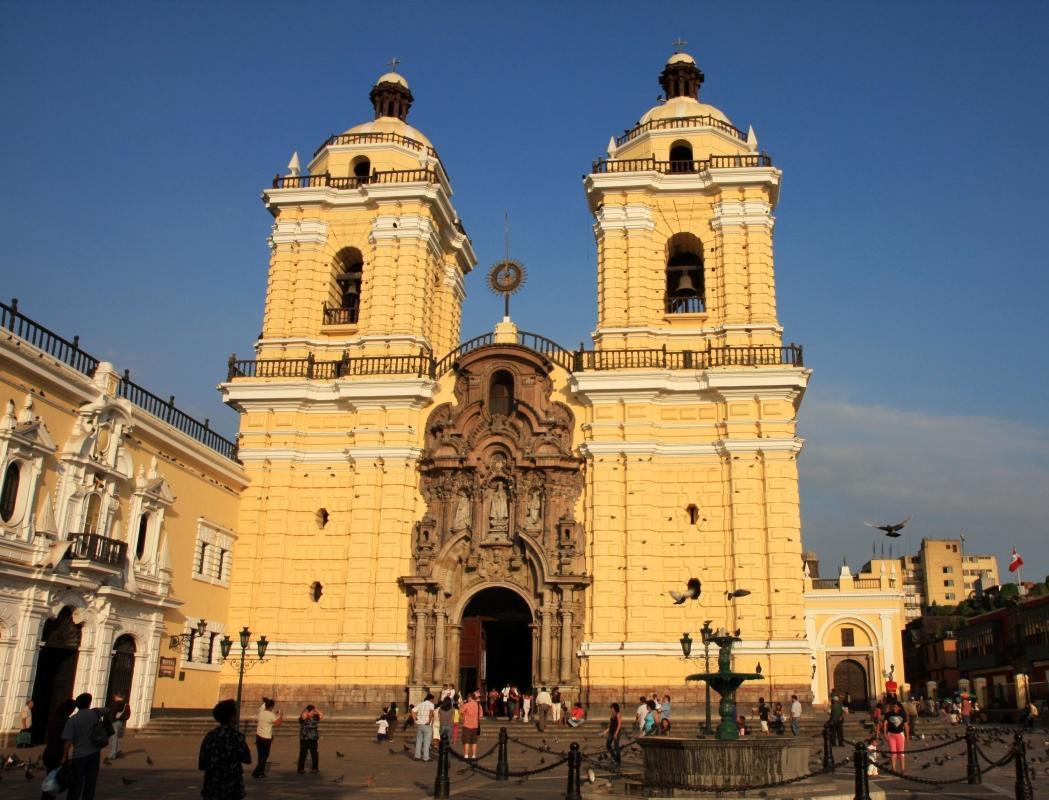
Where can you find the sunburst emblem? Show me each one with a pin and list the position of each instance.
(506, 277)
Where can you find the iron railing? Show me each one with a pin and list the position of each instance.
(685, 305)
(577, 361)
(704, 121)
(376, 138)
(651, 164)
(97, 548)
(866, 583)
(325, 179)
(336, 315)
(824, 583)
(69, 352)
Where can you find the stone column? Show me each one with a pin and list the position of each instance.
(452, 657)
(545, 644)
(440, 617)
(566, 647)
(419, 650)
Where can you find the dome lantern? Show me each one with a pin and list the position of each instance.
(391, 96)
(681, 77)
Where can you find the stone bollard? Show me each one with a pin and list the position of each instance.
(575, 761)
(1023, 789)
(863, 791)
(441, 785)
(828, 749)
(502, 766)
(972, 761)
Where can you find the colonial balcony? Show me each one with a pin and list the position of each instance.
(836, 584)
(97, 549)
(327, 180)
(580, 360)
(650, 164)
(704, 121)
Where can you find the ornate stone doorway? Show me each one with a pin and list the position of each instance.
(850, 676)
(495, 645)
(55, 669)
(501, 484)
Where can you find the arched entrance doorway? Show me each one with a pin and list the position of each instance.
(851, 677)
(55, 669)
(121, 668)
(495, 646)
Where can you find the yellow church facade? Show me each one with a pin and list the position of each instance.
(421, 511)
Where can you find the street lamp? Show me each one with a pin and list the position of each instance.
(686, 650)
(177, 642)
(226, 644)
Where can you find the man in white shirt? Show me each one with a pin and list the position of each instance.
(795, 715)
(542, 704)
(423, 716)
(642, 712)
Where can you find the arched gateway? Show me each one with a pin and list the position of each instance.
(499, 551)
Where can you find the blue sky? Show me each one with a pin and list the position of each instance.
(910, 254)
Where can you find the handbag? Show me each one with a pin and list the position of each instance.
(101, 730)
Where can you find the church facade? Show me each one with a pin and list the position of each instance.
(422, 511)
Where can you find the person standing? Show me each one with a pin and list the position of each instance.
(664, 708)
(612, 734)
(82, 749)
(543, 702)
(555, 704)
(53, 747)
(966, 709)
(446, 718)
(763, 715)
(25, 733)
(641, 713)
(309, 722)
(526, 705)
(121, 713)
(391, 717)
(422, 714)
(266, 720)
(795, 715)
(514, 703)
(837, 720)
(895, 729)
(223, 752)
(470, 712)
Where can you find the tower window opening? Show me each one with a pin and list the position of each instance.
(322, 517)
(9, 494)
(316, 590)
(349, 269)
(681, 157)
(501, 393)
(685, 292)
(693, 513)
(361, 167)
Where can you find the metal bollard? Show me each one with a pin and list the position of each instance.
(972, 762)
(441, 786)
(828, 750)
(1023, 789)
(863, 790)
(575, 761)
(502, 767)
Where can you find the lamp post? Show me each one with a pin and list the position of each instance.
(686, 649)
(245, 639)
(184, 639)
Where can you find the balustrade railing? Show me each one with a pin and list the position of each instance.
(340, 316)
(376, 138)
(325, 179)
(98, 549)
(703, 121)
(685, 305)
(651, 164)
(69, 352)
(824, 583)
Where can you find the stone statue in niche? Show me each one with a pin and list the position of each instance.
(461, 521)
(534, 510)
(499, 511)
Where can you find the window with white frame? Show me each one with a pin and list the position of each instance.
(202, 652)
(213, 554)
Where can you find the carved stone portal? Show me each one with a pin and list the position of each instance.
(501, 483)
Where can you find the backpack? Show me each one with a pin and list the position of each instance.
(101, 730)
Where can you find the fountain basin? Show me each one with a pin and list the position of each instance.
(677, 766)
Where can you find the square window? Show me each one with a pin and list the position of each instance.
(848, 637)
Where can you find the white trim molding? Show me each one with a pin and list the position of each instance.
(333, 649)
(299, 231)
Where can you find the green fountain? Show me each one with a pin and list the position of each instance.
(725, 682)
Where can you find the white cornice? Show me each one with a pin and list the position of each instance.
(629, 217)
(299, 231)
(300, 394)
(729, 213)
(453, 278)
(338, 344)
(330, 649)
(708, 181)
(656, 385)
(675, 331)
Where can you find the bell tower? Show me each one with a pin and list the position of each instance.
(683, 220)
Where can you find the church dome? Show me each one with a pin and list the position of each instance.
(681, 79)
(390, 125)
(392, 77)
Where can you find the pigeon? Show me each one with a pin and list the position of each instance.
(890, 530)
(127, 781)
(338, 780)
(149, 761)
(590, 776)
(339, 755)
(692, 591)
(737, 593)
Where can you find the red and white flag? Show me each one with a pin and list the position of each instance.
(1015, 562)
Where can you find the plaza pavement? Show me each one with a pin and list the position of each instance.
(367, 769)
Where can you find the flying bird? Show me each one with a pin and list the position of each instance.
(127, 781)
(737, 593)
(890, 530)
(339, 755)
(692, 592)
(149, 761)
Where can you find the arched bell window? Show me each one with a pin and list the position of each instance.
(685, 293)
(361, 167)
(93, 514)
(349, 275)
(9, 492)
(501, 393)
(681, 157)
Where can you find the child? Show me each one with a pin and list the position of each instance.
(383, 725)
(742, 723)
(872, 754)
